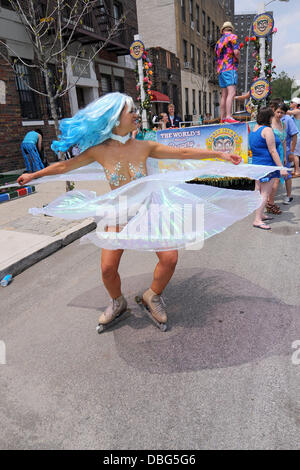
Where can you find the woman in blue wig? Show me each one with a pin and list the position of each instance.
(102, 133)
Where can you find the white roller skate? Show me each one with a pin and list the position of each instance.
(116, 311)
(155, 308)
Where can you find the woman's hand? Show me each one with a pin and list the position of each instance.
(284, 173)
(236, 159)
(24, 179)
(284, 161)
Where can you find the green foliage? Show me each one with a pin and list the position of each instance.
(282, 86)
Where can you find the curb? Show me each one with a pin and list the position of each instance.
(59, 242)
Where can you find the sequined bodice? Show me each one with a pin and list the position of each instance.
(116, 176)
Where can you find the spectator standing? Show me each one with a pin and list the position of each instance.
(291, 141)
(174, 119)
(163, 121)
(265, 145)
(279, 130)
(294, 112)
(227, 57)
(32, 150)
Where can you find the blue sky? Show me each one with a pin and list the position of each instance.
(286, 45)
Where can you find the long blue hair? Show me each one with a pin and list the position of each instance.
(93, 124)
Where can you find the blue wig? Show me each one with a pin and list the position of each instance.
(93, 124)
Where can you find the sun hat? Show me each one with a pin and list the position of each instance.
(227, 24)
(295, 100)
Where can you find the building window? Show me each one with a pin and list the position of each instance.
(165, 88)
(198, 61)
(204, 64)
(200, 102)
(218, 32)
(198, 18)
(213, 31)
(169, 64)
(6, 4)
(193, 57)
(210, 104)
(194, 102)
(175, 96)
(191, 10)
(106, 84)
(119, 84)
(185, 57)
(208, 27)
(117, 11)
(186, 101)
(183, 11)
(30, 106)
(203, 23)
(205, 103)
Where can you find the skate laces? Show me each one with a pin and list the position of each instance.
(160, 303)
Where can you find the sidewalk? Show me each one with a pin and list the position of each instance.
(25, 239)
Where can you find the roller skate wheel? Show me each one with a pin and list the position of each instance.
(164, 327)
(138, 299)
(99, 329)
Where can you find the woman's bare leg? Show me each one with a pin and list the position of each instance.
(231, 92)
(271, 199)
(110, 260)
(164, 270)
(223, 103)
(265, 190)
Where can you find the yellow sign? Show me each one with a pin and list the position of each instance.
(263, 25)
(260, 89)
(137, 50)
(225, 140)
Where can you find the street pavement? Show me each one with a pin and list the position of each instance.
(25, 239)
(224, 376)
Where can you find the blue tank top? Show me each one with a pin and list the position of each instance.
(31, 137)
(259, 148)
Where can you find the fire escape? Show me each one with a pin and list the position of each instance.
(96, 26)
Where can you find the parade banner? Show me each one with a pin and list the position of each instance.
(220, 137)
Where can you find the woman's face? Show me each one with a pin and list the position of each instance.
(278, 113)
(128, 119)
(164, 117)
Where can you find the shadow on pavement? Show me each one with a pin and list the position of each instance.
(216, 320)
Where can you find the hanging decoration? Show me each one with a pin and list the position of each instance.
(147, 83)
(262, 25)
(260, 89)
(269, 69)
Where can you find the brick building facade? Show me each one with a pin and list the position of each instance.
(112, 70)
(166, 78)
(189, 29)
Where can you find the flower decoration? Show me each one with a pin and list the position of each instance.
(147, 82)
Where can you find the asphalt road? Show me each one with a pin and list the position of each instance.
(222, 377)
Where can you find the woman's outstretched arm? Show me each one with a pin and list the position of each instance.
(58, 168)
(164, 151)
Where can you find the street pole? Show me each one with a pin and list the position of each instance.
(141, 83)
(262, 43)
(247, 59)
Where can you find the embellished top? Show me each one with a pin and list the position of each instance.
(115, 177)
